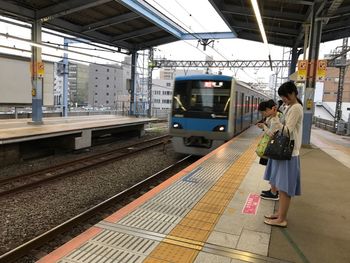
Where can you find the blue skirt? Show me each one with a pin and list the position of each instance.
(285, 175)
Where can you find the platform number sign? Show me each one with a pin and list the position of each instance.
(302, 70)
(321, 70)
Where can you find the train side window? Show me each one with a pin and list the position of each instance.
(247, 102)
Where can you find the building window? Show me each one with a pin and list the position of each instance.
(96, 86)
(96, 77)
(107, 101)
(107, 86)
(107, 78)
(168, 84)
(95, 101)
(108, 70)
(96, 70)
(107, 94)
(95, 93)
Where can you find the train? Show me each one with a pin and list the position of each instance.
(208, 110)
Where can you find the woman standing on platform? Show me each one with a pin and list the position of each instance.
(285, 174)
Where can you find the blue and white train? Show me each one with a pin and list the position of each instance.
(208, 110)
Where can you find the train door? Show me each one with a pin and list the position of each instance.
(242, 111)
(236, 113)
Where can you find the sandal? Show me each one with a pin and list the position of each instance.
(271, 216)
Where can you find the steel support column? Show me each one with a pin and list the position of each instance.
(65, 81)
(133, 83)
(149, 93)
(37, 75)
(342, 68)
(294, 60)
(314, 46)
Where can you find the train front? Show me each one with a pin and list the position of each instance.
(201, 119)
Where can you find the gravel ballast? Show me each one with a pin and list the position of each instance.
(28, 214)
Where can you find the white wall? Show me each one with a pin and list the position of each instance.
(15, 84)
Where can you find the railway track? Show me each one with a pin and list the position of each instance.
(22, 182)
(134, 191)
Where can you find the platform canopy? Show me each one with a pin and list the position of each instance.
(284, 19)
(128, 24)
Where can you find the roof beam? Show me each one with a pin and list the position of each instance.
(110, 22)
(75, 30)
(282, 41)
(153, 15)
(67, 7)
(265, 14)
(306, 20)
(209, 35)
(9, 8)
(332, 35)
(298, 2)
(136, 33)
(157, 42)
(269, 29)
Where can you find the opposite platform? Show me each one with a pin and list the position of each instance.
(17, 130)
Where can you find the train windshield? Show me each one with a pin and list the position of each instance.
(202, 98)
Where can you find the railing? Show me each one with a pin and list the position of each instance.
(324, 124)
(329, 126)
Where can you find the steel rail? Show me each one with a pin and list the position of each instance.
(70, 168)
(42, 239)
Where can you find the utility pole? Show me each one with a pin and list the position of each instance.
(149, 94)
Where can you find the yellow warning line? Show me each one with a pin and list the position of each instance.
(186, 240)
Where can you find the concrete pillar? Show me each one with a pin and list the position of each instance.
(37, 67)
(133, 83)
(314, 46)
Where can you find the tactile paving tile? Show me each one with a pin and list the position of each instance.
(186, 210)
(196, 228)
(110, 246)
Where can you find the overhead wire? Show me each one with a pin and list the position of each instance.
(61, 57)
(198, 37)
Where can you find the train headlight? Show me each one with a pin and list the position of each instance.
(177, 125)
(220, 128)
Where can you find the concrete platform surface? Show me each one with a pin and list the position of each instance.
(319, 220)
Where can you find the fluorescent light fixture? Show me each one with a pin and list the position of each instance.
(260, 23)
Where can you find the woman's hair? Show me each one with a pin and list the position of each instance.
(287, 89)
(266, 104)
(280, 102)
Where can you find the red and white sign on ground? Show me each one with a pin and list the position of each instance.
(251, 205)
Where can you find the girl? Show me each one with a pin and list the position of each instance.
(270, 126)
(285, 174)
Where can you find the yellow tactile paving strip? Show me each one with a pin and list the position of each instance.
(186, 240)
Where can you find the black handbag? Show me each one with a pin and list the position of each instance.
(280, 147)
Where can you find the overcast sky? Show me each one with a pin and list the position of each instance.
(193, 19)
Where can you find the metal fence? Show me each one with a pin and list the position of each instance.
(343, 128)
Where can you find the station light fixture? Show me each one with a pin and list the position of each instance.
(260, 24)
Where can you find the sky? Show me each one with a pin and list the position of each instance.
(193, 19)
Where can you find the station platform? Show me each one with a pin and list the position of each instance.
(211, 212)
(70, 132)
